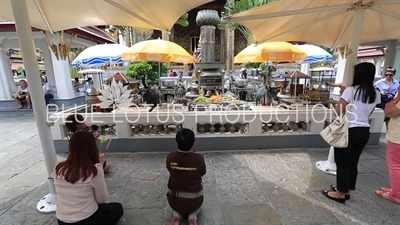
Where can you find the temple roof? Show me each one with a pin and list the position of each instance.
(89, 33)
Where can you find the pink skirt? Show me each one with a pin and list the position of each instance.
(393, 162)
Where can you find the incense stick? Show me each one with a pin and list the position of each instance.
(107, 146)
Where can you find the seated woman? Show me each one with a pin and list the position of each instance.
(23, 94)
(75, 123)
(81, 187)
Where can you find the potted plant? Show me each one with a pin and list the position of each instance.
(147, 72)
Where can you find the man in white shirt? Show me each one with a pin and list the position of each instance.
(47, 90)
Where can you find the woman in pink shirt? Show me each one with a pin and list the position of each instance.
(81, 186)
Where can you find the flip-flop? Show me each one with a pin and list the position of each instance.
(387, 196)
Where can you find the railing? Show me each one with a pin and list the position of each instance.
(143, 124)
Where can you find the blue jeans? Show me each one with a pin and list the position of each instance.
(47, 98)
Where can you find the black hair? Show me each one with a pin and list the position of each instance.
(391, 69)
(364, 74)
(185, 139)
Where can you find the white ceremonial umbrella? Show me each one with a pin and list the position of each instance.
(99, 55)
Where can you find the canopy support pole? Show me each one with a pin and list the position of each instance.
(329, 166)
(130, 12)
(385, 12)
(44, 17)
(285, 13)
(23, 26)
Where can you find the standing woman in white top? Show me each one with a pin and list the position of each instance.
(81, 186)
(365, 97)
(23, 94)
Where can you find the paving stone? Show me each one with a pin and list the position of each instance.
(26, 217)
(142, 216)
(311, 176)
(144, 194)
(29, 202)
(122, 167)
(379, 166)
(9, 196)
(143, 176)
(250, 214)
(294, 202)
(267, 167)
(152, 162)
(34, 176)
(239, 186)
(225, 160)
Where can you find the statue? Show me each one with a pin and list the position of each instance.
(180, 90)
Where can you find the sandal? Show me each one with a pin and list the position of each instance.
(387, 196)
(385, 189)
(346, 196)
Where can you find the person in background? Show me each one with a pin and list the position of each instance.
(23, 94)
(387, 88)
(81, 187)
(243, 73)
(76, 84)
(47, 90)
(88, 84)
(365, 97)
(392, 111)
(75, 123)
(171, 73)
(186, 169)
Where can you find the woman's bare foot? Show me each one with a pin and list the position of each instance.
(175, 219)
(192, 220)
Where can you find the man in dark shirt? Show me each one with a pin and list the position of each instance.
(186, 169)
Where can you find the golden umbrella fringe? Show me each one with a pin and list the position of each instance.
(62, 51)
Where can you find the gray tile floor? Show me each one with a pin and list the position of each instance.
(241, 187)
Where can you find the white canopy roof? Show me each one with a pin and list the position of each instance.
(57, 15)
(323, 22)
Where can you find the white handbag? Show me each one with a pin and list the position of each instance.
(336, 134)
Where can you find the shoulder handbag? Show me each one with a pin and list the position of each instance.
(336, 134)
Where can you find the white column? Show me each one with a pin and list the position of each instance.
(339, 73)
(305, 68)
(46, 52)
(329, 165)
(25, 38)
(62, 74)
(378, 66)
(5, 72)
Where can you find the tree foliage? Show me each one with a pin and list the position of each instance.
(237, 7)
(146, 71)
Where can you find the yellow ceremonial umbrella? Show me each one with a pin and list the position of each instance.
(157, 51)
(270, 52)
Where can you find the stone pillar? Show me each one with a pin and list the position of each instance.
(207, 20)
(397, 61)
(207, 34)
(223, 47)
(230, 48)
(6, 77)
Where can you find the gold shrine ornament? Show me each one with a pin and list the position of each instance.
(62, 50)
